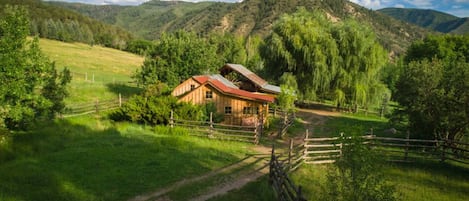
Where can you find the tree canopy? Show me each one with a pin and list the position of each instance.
(433, 88)
(337, 61)
(31, 87)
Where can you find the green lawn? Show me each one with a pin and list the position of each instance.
(88, 158)
(109, 67)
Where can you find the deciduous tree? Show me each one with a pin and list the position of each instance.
(31, 87)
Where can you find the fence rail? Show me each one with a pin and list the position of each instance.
(93, 107)
(283, 186)
(219, 131)
(327, 150)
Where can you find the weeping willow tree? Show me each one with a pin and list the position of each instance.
(302, 44)
(335, 61)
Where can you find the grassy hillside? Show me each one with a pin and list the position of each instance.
(110, 68)
(435, 20)
(249, 17)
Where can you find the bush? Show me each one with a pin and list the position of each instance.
(154, 110)
(357, 175)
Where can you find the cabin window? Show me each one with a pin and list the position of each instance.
(247, 110)
(256, 110)
(192, 87)
(228, 110)
(208, 94)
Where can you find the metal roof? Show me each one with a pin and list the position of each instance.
(246, 73)
(206, 79)
(223, 80)
(261, 83)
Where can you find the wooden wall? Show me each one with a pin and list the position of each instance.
(185, 87)
(221, 101)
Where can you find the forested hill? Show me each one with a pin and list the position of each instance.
(438, 21)
(57, 23)
(249, 17)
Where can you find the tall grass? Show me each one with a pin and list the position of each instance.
(83, 159)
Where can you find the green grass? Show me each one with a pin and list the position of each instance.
(90, 158)
(420, 180)
(110, 67)
(413, 181)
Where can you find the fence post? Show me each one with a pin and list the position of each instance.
(86, 76)
(211, 124)
(290, 150)
(120, 100)
(341, 143)
(406, 146)
(443, 147)
(305, 153)
(96, 105)
(171, 119)
(93, 78)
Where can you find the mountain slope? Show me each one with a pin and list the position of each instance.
(250, 17)
(58, 23)
(435, 20)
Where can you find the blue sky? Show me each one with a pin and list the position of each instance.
(458, 8)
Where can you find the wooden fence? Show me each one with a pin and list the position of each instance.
(283, 186)
(327, 150)
(220, 131)
(93, 107)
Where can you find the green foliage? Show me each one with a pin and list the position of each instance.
(433, 93)
(338, 61)
(229, 47)
(154, 107)
(357, 175)
(289, 90)
(141, 47)
(31, 89)
(177, 57)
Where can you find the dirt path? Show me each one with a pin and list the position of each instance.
(183, 182)
(309, 118)
(312, 118)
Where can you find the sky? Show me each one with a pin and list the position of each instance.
(458, 8)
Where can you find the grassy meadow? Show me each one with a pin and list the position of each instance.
(91, 158)
(110, 68)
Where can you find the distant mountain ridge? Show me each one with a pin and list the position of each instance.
(249, 17)
(435, 20)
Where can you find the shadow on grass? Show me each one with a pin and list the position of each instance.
(124, 89)
(66, 161)
(450, 179)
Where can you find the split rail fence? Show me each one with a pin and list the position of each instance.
(283, 186)
(211, 129)
(327, 150)
(93, 107)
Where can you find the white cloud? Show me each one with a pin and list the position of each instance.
(399, 6)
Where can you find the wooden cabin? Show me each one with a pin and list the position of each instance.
(239, 107)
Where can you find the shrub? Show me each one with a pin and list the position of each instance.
(357, 175)
(154, 110)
